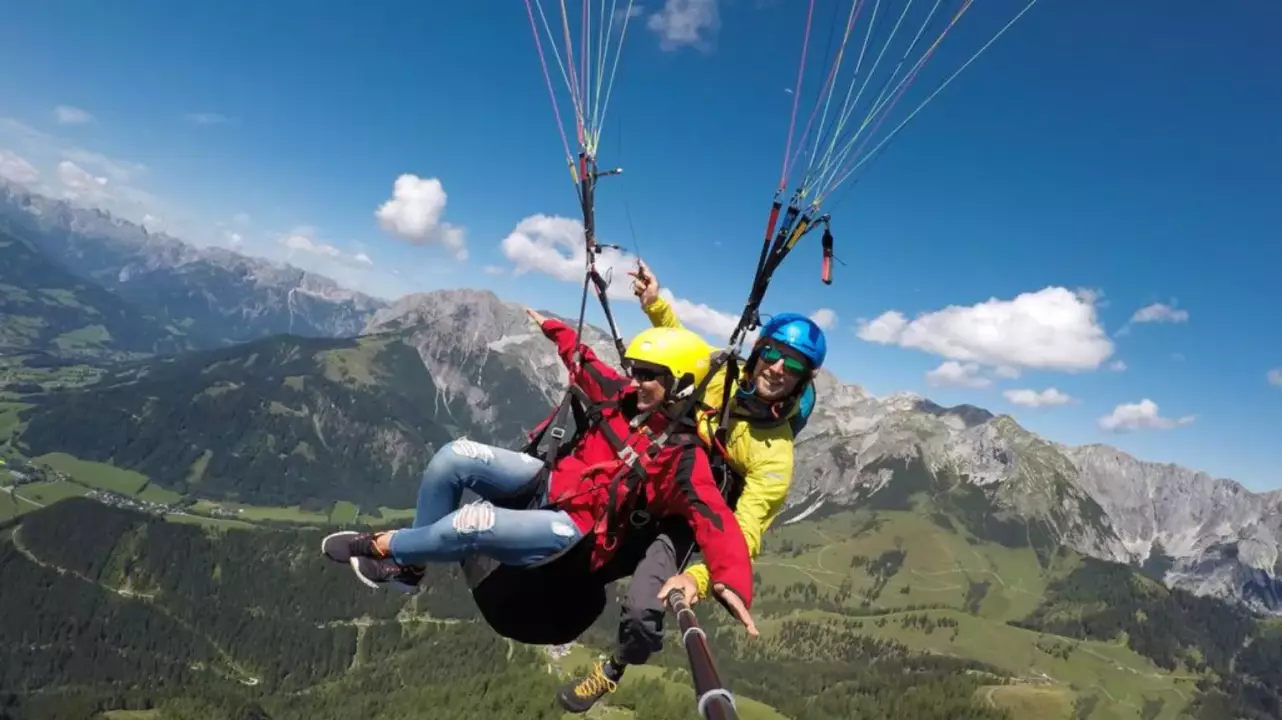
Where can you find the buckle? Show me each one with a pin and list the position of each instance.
(639, 518)
(628, 455)
(557, 433)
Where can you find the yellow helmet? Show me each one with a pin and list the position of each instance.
(677, 350)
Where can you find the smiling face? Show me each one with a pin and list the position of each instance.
(651, 387)
(778, 372)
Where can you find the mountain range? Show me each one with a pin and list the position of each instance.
(489, 373)
(218, 296)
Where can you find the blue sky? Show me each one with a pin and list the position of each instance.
(1092, 162)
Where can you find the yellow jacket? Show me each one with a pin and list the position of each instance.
(761, 455)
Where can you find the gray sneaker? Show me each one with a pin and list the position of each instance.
(371, 567)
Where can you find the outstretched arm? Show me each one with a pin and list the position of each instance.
(715, 530)
(596, 378)
(765, 488)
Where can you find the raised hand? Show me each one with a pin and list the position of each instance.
(644, 284)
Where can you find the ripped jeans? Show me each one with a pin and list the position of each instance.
(444, 532)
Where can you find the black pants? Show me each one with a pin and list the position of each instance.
(641, 621)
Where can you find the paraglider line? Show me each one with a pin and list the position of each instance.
(830, 165)
(830, 85)
(574, 78)
(796, 96)
(560, 124)
(609, 87)
(847, 105)
(944, 84)
(867, 78)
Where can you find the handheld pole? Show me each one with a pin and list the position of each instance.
(715, 701)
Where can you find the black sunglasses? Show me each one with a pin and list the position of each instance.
(646, 373)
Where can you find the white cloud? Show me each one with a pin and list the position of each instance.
(1117, 365)
(494, 270)
(16, 169)
(885, 329)
(91, 179)
(955, 374)
(306, 244)
(1094, 296)
(1274, 376)
(1006, 371)
(705, 318)
(1141, 415)
(80, 182)
(825, 318)
(68, 115)
(207, 118)
(1035, 399)
(1051, 329)
(1160, 313)
(685, 22)
(553, 245)
(302, 239)
(414, 214)
(118, 170)
(80, 185)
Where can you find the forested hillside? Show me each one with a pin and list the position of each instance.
(44, 307)
(107, 609)
(1238, 655)
(279, 421)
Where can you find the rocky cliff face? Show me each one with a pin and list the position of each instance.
(1221, 538)
(486, 353)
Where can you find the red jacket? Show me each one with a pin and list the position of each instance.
(680, 481)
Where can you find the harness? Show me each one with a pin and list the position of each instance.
(629, 470)
(529, 603)
(555, 600)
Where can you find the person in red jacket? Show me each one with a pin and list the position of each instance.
(588, 495)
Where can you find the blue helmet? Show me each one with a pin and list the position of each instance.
(799, 333)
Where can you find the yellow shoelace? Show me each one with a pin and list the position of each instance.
(595, 683)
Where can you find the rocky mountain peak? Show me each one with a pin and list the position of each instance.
(221, 295)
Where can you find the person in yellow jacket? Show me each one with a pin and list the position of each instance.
(757, 449)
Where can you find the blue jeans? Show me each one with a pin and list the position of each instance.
(445, 532)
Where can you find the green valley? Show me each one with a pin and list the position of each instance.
(283, 421)
(983, 624)
(45, 308)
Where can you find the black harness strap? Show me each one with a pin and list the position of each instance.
(681, 430)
